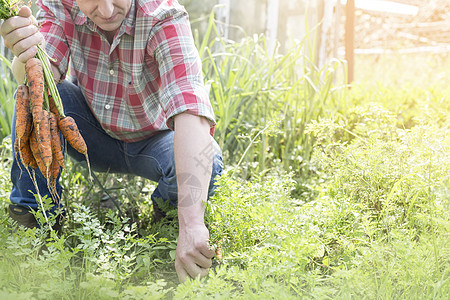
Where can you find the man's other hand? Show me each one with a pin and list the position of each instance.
(193, 255)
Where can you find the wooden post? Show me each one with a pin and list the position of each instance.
(272, 24)
(320, 11)
(282, 31)
(350, 38)
(327, 22)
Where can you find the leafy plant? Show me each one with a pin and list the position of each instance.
(7, 89)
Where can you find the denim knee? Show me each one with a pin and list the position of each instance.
(167, 188)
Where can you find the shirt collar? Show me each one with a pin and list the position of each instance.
(130, 20)
(78, 17)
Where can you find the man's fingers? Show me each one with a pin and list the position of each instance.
(209, 253)
(203, 272)
(192, 267)
(20, 34)
(202, 256)
(193, 257)
(193, 270)
(203, 262)
(206, 251)
(13, 23)
(27, 46)
(27, 54)
(24, 33)
(25, 12)
(181, 272)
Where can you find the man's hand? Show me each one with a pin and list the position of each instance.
(193, 256)
(21, 35)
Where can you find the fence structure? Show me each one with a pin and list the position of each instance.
(342, 28)
(280, 20)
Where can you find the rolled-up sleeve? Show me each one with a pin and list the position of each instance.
(56, 44)
(182, 86)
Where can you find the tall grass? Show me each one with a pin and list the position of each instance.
(7, 89)
(265, 99)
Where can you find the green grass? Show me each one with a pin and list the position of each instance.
(372, 224)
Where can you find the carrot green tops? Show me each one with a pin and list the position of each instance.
(148, 74)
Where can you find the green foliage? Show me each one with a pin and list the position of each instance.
(92, 260)
(198, 10)
(376, 225)
(7, 89)
(9, 8)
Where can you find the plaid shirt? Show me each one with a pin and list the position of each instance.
(135, 86)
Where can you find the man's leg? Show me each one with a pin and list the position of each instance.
(154, 159)
(105, 153)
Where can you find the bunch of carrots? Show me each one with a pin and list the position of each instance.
(40, 116)
(39, 121)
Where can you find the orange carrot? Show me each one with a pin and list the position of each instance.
(56, 141)
(24, 150)
(22, 110)
(53, 109)
(34, 146)
(33, 163)
(35, 80)
(44, 140)
(219, 252)
(25, 154)
(28, 126)
(70, 131)
(54, 172)
(16, 146)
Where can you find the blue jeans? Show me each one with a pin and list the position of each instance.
(152, 158)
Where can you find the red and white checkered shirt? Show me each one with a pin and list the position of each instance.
(136, 85)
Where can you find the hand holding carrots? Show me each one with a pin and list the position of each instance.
(21, 35)
(39, 109)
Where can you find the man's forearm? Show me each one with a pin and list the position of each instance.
(193, 161)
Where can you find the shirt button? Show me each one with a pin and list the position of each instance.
(111, 72)
(107, 106)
